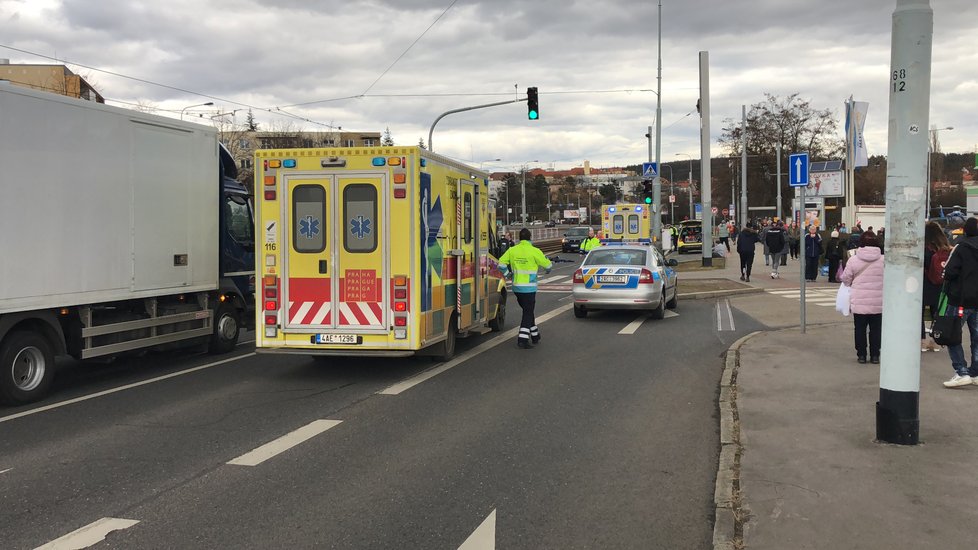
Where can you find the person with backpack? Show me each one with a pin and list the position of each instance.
(775, 241)
(961, 286)
(936, 252)
(746, 242)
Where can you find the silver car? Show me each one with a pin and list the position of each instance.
(626, 277)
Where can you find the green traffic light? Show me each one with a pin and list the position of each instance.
(533, 115)
(648, 200)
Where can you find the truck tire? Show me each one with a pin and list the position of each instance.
(26, 367)
(499, 321)
(446, 349)
(227, 328)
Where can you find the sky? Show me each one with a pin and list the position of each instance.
(398, 64)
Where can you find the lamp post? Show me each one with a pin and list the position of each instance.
(689, 187)
(672, 205)
(931, 149)
(208, 104)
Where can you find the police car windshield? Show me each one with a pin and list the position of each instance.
(609, 256)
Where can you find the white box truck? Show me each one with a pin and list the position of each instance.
(121, 231)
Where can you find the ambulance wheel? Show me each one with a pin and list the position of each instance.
(497, 324)
(671, 304)
(26, 367)
(660, 310)
(447, 348)
(227, 328)
(580, 312)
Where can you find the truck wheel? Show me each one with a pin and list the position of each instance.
(447, 350)
(26, 367)
(497, 324)
(227, 328)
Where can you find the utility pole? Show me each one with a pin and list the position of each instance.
(706, 186)
(777, 178)
(897, 411)
(743, 165)
(656, 180)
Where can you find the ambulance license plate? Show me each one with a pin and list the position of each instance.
(338, 339)
(612, 278)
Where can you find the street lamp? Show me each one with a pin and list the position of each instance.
(208, 104)
(931, 146)
(689, 187)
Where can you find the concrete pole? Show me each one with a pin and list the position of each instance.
(778, 179)
(804, 231)
(743, 164)
(523, 193)
(657, 181)
(897, 411)
(706, 186)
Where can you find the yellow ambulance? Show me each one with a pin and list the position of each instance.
(376, 251)
(625, 223)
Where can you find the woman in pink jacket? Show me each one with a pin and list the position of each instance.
(864, 274)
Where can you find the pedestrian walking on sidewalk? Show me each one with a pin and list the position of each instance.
(794, 239)
(775, 241)
(723, 232)
(813, 251)
(864, 274)
(765, 225)
(523, 260)
(961, 277)
(746, 243)
(936, 252)
(835, 251)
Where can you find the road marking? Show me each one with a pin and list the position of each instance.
(405, 385)
(553, 279)
(121, 388)
(89, 535)
(5, 471)
(484, 537)
(284, 443)
(633, 326)
(724, 311)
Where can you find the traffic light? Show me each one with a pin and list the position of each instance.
(647, 188)
(532, 104)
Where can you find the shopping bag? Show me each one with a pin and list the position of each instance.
(824, 270)
(842, 300)
(839, 272)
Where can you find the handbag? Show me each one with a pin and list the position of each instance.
(839, 272)
(842, 300)
(946, 326)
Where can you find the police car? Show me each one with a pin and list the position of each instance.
(625, 277)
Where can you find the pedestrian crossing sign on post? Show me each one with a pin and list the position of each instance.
(649, 170)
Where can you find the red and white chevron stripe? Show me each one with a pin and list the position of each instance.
(361, 314)
(309, 313)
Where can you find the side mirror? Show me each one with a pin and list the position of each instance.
(672, 262)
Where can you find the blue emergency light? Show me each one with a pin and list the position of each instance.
(288, 163)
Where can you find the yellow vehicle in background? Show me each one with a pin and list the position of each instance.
(690, 236)
(377, 251)
(626, 223)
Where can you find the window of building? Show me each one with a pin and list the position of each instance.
(350, 143)
(368, 142)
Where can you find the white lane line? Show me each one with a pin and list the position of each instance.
(405, 385)
(484, 536)
(5, 471)
(726, 303)
(89, 535)
(284, 443)
(121, 388)
(719, 318)
(553, 279)
(633, 326)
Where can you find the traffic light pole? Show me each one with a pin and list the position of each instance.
(431, 146)
(656, 180)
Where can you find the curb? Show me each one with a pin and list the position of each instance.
(728, 520)
(719, 293)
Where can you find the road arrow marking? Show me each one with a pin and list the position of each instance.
(89, 535)
(484, 537)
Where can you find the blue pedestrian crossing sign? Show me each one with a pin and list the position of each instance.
(798, 170)
(649, 170)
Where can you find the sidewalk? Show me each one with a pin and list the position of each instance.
(798, 422)
(811, 475)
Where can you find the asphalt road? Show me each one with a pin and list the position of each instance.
(604, 436)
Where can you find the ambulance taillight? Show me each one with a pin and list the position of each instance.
(400, 305)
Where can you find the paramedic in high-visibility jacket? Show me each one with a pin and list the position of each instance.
(590, 243)
(523, 260)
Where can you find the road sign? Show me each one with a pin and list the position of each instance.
(649, 170)
(798, 170)
(726, 211)
(672, 198)
(714, 209)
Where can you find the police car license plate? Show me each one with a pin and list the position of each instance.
(612, 278)
(337, 339)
